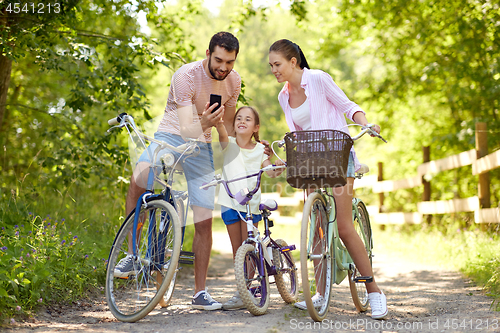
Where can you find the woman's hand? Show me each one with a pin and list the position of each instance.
(376, 128)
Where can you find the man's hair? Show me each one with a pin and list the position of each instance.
(225, 40)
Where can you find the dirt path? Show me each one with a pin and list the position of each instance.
(421, 298)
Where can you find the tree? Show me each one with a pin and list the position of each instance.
(69, 72)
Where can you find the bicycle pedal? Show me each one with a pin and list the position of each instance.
(186, 257)
(288, 248)
(363, 279)
(187, 254)
(186, 261)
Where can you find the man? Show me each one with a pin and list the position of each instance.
(188, 115)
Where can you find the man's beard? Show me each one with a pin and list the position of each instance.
(212, 72)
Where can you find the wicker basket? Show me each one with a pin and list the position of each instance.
(317, 158)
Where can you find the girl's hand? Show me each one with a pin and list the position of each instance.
(279, 162)
(209, 119)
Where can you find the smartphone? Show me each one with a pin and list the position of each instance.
(215, 99)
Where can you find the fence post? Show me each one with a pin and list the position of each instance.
(380, 178)
(426, 196)
(484, 178)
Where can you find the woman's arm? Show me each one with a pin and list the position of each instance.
(360, 118)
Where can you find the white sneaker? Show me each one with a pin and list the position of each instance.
(234, 303)
(317, 300)
(378, 303)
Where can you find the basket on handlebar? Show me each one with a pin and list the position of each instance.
(317, 158)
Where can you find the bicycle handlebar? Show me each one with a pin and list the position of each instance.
(218, 180)
(124, 119)
(368, 129)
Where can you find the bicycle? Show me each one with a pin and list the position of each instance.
(155, 247)
(323, 256)
(258, 258)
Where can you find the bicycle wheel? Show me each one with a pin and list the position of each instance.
(132, 297)
(363, 228)
(315, 256)
(167, 297)
(286, 274)
(252, 283)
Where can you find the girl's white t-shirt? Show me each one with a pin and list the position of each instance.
(239, 162)
(301, 116)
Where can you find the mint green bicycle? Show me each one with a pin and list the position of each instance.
(320, 158)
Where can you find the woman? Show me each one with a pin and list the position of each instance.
(311, 100)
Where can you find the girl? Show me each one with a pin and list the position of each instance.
(311, 100)
(242, 153)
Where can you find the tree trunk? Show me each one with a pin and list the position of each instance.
(5, 71)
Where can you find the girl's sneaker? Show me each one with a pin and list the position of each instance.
(234, 303)
(203, 301)
(378, 303)
(317, 300)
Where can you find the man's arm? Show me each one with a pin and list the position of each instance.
(191, 129)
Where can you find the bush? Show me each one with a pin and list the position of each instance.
(48, 259)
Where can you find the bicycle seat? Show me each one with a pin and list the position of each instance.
(268, 204)
(364, 169)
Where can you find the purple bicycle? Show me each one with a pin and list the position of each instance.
(259, 257)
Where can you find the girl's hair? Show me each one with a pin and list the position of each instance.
(289, 50)
(257, 120)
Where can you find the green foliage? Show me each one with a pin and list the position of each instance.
(70, 73)
(425, 70)
(47, 259)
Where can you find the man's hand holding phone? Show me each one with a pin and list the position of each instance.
(212, 114)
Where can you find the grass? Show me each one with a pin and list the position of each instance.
(471, 251)
(53, 247)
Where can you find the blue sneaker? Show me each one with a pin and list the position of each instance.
(126, 267)
(203, 301)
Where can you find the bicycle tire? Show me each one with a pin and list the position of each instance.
(252, 285)
(315, 254)
(286, 273)
(167, 297)
(132, 298)
(363, 228)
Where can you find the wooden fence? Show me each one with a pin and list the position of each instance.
(481, 162)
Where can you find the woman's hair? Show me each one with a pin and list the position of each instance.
(257, 120)
(289, 50)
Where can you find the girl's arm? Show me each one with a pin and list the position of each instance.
(223, 137)
(273, 173)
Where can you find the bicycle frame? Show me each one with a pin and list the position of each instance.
(254, 237)
(186, 150)
(340, 256)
